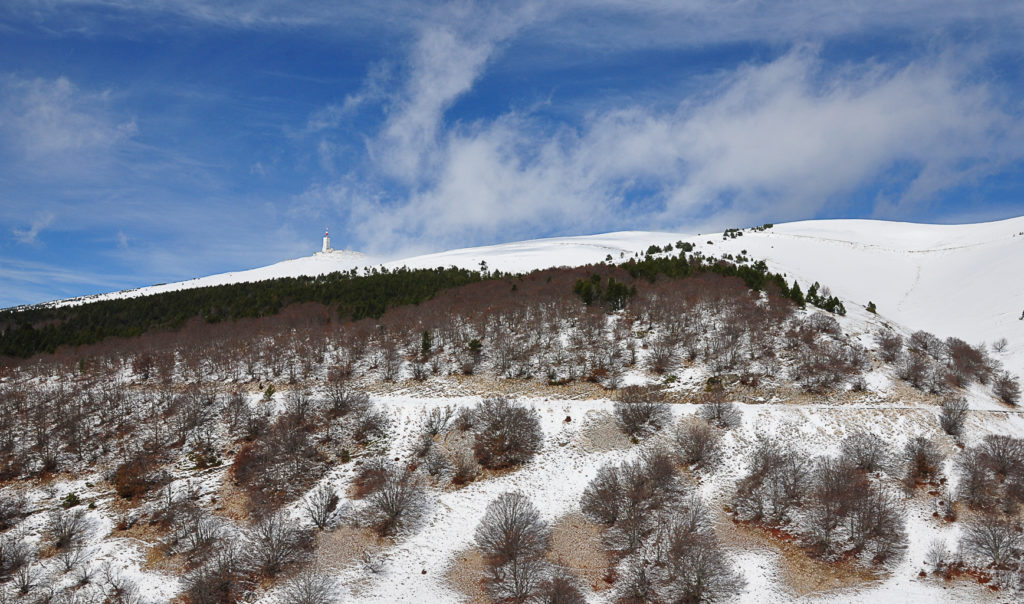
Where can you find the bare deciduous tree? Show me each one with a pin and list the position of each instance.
(513, 539)
(952, 415)
(641, 410)
(506, 434)
(311, 586)
(320, 504)
(399, 501)
(991, 539)
(275, 543)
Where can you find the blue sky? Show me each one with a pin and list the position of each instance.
(146, 142)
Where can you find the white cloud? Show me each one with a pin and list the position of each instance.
(775, 141)
(29, 235)
(44, 118)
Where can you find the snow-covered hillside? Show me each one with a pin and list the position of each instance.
(953, 280)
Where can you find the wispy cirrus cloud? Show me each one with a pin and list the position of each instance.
(29, 235)
(47, 117)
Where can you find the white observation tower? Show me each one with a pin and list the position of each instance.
(327, 241)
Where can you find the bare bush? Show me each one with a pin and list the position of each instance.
(221, 579)
(721, 413)
(1003, 454)
(14, 554)
(559, 590)
(66, 528)
(977, 487)
(320, 504)
(513, 540)
(890, 345)
(991, 539)
(876, 521)
(952, 415)
(506, 434)
(275, 543)
(512, 529)
(923, 458)
(12, 506)
(311, 586)
(1000, 345)
(1006, 388)
(342, 399)
(641, 410)
(775, 483)
(866, 451)
(400, 500)
(600, 498)
(927, 343)
(698, 443)
(438, 419)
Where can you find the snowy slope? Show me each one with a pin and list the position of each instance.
(953, 280)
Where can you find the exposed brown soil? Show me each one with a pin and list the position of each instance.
(346, 544)
(467, 576)
(576, 545)
(799, 572)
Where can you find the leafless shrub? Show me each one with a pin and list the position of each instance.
(400, 500)
(511, 529)
(927, 343)
(14, 554)
(824, 364)
(938, 556)
(118, 588)
(866, 451)
(464, 419)
(12, 506)
(721, 413)
(641, 410)
(343, 399)
(465, 468)
(681, 561)
(370, 425)
(836, 487)
(220, 579)
(275, 543)
(438, 419)
(513, 539)
(26, 578)
(195, 530)
(824, 323)
(69, 559)
(507, 434)
(966, 363)
(635, 585)
(436, 464)
(1003, 454)
(559, 590)
(1000, 345)
(977, 487)
(952, 415)
(922, 457)
(1007, 388)
(876, 522)
(320, 504)
(66, 528)
(311, 586)
(600, 498)
(775, 483)
(890, 345)
(991, 539)
(626, 497)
